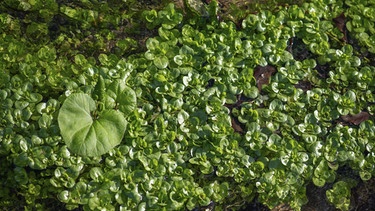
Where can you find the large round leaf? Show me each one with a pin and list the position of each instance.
(89, 135)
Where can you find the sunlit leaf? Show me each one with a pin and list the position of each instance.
(87, 133)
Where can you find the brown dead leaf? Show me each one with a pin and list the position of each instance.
(357, 118)
(240, 99)
(340, 24)
(323, 70)
(237, 126)
(262, 75)
(282, 207)
(304, 85)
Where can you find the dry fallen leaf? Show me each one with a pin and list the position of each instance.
(304, 85)
(357, 118)
(340, 24)
(237, 126)
(282, 207)
(262, 75)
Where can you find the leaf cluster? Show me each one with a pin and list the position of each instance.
(211, 114)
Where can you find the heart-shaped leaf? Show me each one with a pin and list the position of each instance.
(87, 134)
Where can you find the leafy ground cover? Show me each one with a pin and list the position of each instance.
(107, 106)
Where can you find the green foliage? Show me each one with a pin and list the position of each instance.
(211, 113)
(339, 195)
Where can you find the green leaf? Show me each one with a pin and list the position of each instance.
(197, 7)
(276, 105)
(150, 16)
(365, 175)
(339, 195)
(64, 196)
(319, 182)
(251, 92)
(178, 59)
(96, 174)
(45, 121)
(161, 62)
(20, 176)
(99, 89)
(125, 98)
(152, 44)
(350, 95)
(87, 133)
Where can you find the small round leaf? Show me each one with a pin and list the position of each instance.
(161, 62)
